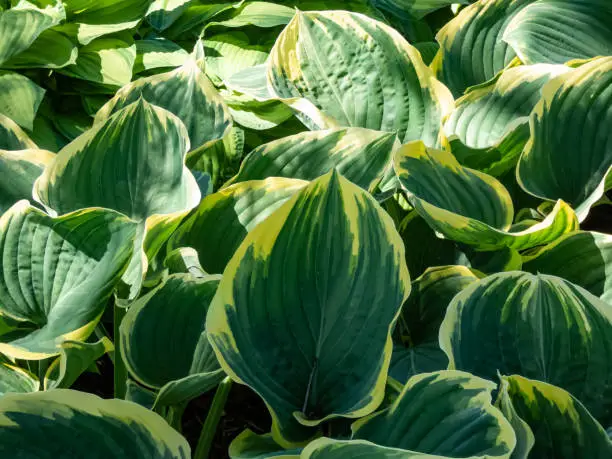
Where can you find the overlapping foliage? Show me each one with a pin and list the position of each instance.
(369, 212)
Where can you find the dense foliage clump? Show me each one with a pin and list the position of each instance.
(314, 229)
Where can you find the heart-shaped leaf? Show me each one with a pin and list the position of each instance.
(570, 138)
(332, 59)
(538, 326)
(171, 317)
(470, 206)
(301, 266)
(58, 274)
(84, 425)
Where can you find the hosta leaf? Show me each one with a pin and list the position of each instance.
(327, 448)
(19, 170)
(524, 435)
(220, 160)
(426, 249)
(360, 155)
(469, 206)
(333, 60)
(248, 445)
(557, 31)
(187, 93)
(22, 24)
(158, 53)
(302, 266)
(107, 61)
(12, 137)
(422, 358)
(256, 115)
(134, 392)
(217, 227)
(490, 113)
(15, 379)
(538, 326)
(95, 18)
(19, 98)
(162, 13)
(428, 50)
(134, 161)
(442, 414)
(561, 425)
(75, 421)
(171, 317)
(432, 292)
(259, 14)
(229, 53)
(52, 50)
(584, 258)
(58, 273)
(415, 8)
(190, 23)
(471, 47)
(75, 358)
(570, 150)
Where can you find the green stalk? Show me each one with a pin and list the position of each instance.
(209, 429)
(120, 370)
(43, 365)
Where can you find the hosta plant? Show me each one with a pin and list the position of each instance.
(309, 229)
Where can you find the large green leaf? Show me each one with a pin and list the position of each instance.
(20, 98)
(471, 47)
(426, 249)
(108, 61)
(334, 59)
(19, 170)
(190, 24)
(444, 414)
(91, 19)
(217, 227)
(415, 8)
(469, 206)
(538, 326)
(488, 115)
(327, 448)
(58, 273)
(360, 155)
(248, 445)
(52, 49)
(557, 31)
(22, 24)
(422, 358)
(187, 93)
(158, 53)
(423, 312)
(524, 435)
(12, 137)
(68, 423)
(16, 380)
(322, 259)
(136, 159)
(562, 427)
(172, 317)
(584, 258)
(229, 53)
(569, 153)
(162, 13)
(134, 162)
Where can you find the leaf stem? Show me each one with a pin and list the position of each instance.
(209, 428)
(120, 369)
